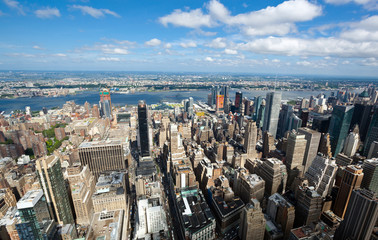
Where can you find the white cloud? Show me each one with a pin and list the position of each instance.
(218, 43)
(37, 47)
(167, 45)
(153, 42)
(119, 51)
(200, 32)
(15, 5)
(277, 20)
(94, 12)
(209, 59)
(230, 51)
(370, 62)
(109, 59)
(365, 30)
(192, 19)
(47, 13)
(59, 55)
(190, 44)
(304, 63)
(311, 47)
(276, 60)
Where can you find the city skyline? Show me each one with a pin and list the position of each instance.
(281, 37)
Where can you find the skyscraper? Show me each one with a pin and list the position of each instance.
(351, 144)
(102, 156)
(339, 127)
(272, 111)
(284, 120)
(225, 93)
(309, 206)
(362, 116)
(250, 140)
(282, 212)
(370, 180)
(105, 103)
(372, 134)
(36, 221)
(238, 101)
(360, 217)
(54, 187)
(256, 107)
(252, 222)
(143, 136)
(352, 179)
(295, 152)
(312, 145)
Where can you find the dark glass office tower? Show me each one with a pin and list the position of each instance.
(339, 127)
(362, 115)
(272, 111)
(372, 133)
(238, 101)
(284, 119)
(143, 129)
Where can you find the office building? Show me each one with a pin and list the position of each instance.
(250, 140)
(143, 130)
(256, 107)
(362, 116)
(105, 103)
(35, 220)
(284, 120)
(351, 180)
(110, 192)
(295, 153)
(151, 218)
(282, 212)
(238, 101)
(339, 127)
(54, 187)
(309, 206)
(107, 225)
(272, 111)
(194, 217)
(373, 151)
(361, 216)
(372, 133)
(370, 170)
(312, 145)
(7, 200)
(249, 186)
(252, 222)
(82, 185)
(351, 144)
(274, 173)
(102, 156)
(321, 175)
(321, 123)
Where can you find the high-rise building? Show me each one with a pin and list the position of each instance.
(238, 101)
(373, 151)
(250, 140)
(312, 145)
(82, 185)
(36, 222)
(261, 114)
(274, 173)
(272, 111)
(309, 206)
(339, 127)
(105, 103)
(361, 216)
(370, 180)
(321, 174)
(284, 120)
(219, 106)
(252, 222)
(351, 144)
(143, 135)
(54, 187)
(256, 107)
(372, 133)
(361, 116)
(249, 186)
(7, 200)
(295, 152)
(102, 156)
(282, 212)
(95, 111)
(352, 179)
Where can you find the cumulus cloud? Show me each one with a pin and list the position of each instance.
(209, 59)
(59, 55)
(47, 12)
(368, 4)
(217, 43)
(192, 19)
(117, 51)
(37, 47)
(189, 44)
(94, 12)
(109, 59)
(167, 45)
(230, 51)
(365, 30)
(15, 5)
(153, 42)
(304, 63)
(276, 20)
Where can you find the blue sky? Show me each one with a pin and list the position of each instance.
(323, 37)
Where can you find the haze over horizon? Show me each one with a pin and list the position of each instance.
(295, 37)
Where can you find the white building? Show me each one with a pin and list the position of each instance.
(351, 144)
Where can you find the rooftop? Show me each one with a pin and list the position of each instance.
(100, 143)
(30, 199)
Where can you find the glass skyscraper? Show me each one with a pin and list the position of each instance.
(143, 129)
